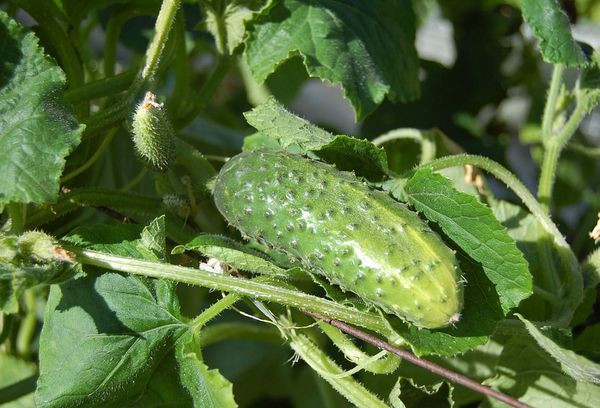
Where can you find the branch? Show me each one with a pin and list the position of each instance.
(427, 365)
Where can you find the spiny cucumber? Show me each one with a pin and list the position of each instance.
(358, 238)
(153, 134)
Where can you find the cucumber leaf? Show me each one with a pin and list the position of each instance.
(116, 340)
(551, 26)
(290, 132)
(37, 128)
(367, 47)
(473, 227)
(578, 367)
(528, 373)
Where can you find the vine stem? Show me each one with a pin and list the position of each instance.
(28, 326)
(512, 182)
(206, 92)
(320, 362)
(550, 108)
(554, 147)
(213, 311)
(427, 365)
(101, 87)
(17, 390)
(97, 154)
(253, 288)
(164, 22)
(424, 138)
(122, 108)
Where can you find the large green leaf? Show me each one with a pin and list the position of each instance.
(273, 120)
(367, 47)
(280, 129)
(114, 340)
(473, 227)
(551, 26)
(528, 373)
(37, 129)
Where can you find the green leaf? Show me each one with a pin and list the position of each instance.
(366, 47)
(233, 16)
(473, 227)
(359, 155)
(290, 132)
(232, 253)
(271, 119)
(528, 373)
(551, 27)
(115, 340)
(588, 90)
(207, 387)
(37, 128)
(578, 367)
(531, 237)
(152, 242)
(588, 342)
(481, 312)
(258, 141)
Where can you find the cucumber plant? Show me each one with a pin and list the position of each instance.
(180, 250)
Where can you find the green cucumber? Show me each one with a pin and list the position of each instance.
(358, 238)
(153, 134)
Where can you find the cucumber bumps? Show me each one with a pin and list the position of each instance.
(358, 238)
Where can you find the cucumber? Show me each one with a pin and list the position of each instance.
(153, 134)
(358, 238)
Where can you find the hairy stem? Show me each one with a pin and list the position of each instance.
(424, 138)
(213, 311)
(17, 390)
(164, 22)
(127, 202)
(550, 108)
(97, 154)
(28, 326)
(554, 147)
(207, 278)
(237, 330)
(511, 181)
(319, 361)
(207, 91)
(101, 87)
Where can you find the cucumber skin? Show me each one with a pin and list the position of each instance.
(358, 238)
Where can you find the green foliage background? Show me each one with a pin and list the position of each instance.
(142, 295)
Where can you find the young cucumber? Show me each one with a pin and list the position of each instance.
(358, 238)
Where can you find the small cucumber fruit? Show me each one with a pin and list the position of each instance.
(358, 238)
(153, 134)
